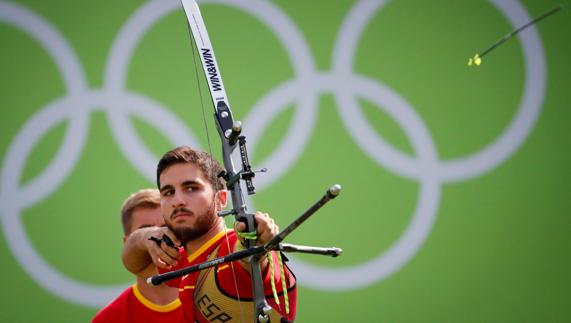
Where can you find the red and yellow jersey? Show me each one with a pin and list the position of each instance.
(131, 306)
(215, 295)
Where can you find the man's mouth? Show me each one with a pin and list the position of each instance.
(180, 213)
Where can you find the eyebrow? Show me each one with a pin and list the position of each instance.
(186, 183)
(191, 182)
(168, 186)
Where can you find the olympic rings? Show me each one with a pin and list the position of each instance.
(304, 89)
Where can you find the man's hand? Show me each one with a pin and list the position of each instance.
(265, 226)
(162, 247)
(266, 229)
(142, 254)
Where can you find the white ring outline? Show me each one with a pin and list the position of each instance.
(526, 116)
(378, 149)
(417, 231)
(528, 111)
(75, 107)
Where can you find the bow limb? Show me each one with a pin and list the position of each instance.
(229, 132)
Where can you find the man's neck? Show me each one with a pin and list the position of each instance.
(159, 295)
(193, 245)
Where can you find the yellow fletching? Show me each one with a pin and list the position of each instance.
(476, 60)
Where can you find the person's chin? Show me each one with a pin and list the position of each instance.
(183, 224)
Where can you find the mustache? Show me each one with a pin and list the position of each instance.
(178, 210)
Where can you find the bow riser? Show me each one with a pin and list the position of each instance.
(228, 131)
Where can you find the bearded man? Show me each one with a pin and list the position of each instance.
(192, 195)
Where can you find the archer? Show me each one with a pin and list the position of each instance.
(192, 196)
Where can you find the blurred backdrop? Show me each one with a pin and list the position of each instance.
(455, 203)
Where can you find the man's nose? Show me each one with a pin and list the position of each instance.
(178, 200)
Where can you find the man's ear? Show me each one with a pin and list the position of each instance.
(221, 199)
(125, 238)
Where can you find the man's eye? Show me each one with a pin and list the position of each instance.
(167, 193)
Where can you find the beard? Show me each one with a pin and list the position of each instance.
(185, 233)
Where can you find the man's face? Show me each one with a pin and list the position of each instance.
(188, 201)
(143, 217)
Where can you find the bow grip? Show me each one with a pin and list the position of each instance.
(248, 220)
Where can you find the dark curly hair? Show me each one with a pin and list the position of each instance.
(209, 166)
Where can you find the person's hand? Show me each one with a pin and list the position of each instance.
(162, 246)
(265, 226)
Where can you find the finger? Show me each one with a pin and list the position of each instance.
(239, 226)
(162, 264)
(263, 221)
(163, 260)
(261, 218)
(169, 242)
(170, 236)
(173, 238)
(157, 249)
(265, 235)
(267, 228)
(159, 262)
(172, 252)
(155, 240)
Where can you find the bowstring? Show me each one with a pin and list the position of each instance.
(235, 280)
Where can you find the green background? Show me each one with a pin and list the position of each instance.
(499, 248)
